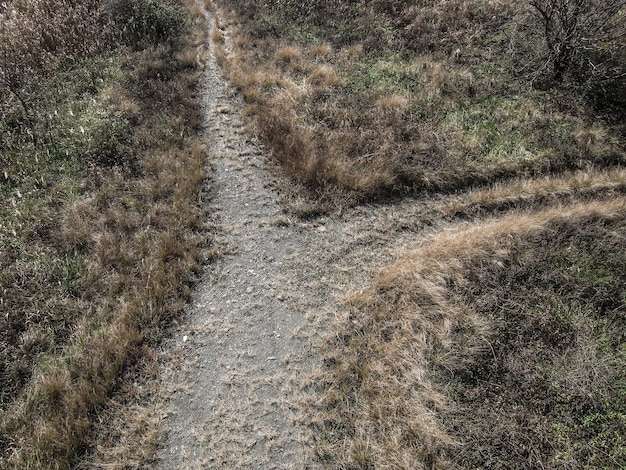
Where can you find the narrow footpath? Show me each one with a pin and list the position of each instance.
(244, 357)
(246, 353)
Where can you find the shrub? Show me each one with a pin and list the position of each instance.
(586, 40)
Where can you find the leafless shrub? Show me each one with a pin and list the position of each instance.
(586, 40)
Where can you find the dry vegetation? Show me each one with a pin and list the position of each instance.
(496, 346)
(362, 100)
(101, 170)
(500, 345)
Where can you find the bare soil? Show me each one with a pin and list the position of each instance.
(241, 364)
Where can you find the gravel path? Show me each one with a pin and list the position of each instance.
(244, 358)
(241, 363)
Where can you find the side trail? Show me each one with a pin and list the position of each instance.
(243, 357)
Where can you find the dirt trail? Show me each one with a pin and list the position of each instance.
(249, 345)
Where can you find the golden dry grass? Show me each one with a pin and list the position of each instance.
(383, 404)
(537, 191)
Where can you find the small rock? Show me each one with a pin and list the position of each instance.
(249, 290)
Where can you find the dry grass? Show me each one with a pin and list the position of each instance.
(102, 172)
(410, 97)
(321, 50)
(533, 192)
(289, 54)
(392, 103)
(102, 162)
(405, 384)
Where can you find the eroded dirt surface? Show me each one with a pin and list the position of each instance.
(244, 356)
(240, 365)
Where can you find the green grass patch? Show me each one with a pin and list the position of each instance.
(390, 74)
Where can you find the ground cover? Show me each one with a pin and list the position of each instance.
(368, 99)
(101, 171)
(499, 345)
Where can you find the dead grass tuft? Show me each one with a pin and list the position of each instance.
(438, 77)
(355, 50)
(289, 53)
(591, 136)
(321, 50)
(392, 103)
(325, 76)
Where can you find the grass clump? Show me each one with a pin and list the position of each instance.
(102, 169)
(427, 96)
(500, 346)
